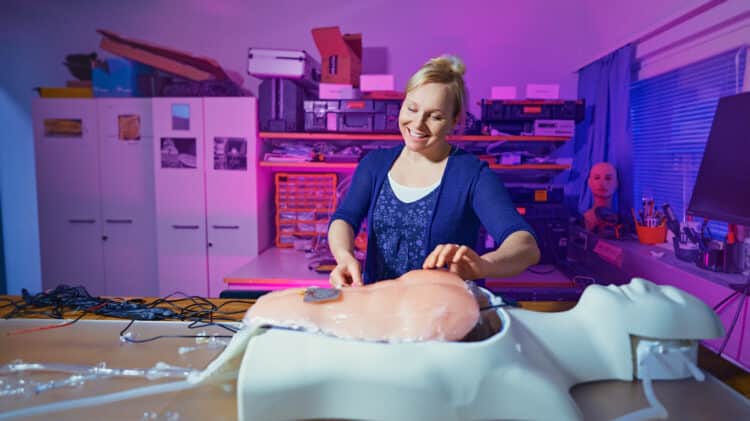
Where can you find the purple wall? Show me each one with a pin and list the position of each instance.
(617, 23)
(503, 43)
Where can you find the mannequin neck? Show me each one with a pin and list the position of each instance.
(603, 201)
(593, 364)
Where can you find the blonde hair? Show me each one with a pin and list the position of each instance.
(447, 69)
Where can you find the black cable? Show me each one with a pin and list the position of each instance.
(507, 302)
(9, 302)
(54, 303)
(153, 338)
(727, 298)
(200, 324)
(734, 320)
(494, 307)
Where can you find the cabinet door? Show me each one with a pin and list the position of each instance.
(65, 132)
(231, 186)
(126, 155)
(180, 195)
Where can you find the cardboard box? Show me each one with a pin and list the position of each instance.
(369, 83)
(337, 91)
(503, 92)
(162, 58)
(277, 63)
(536, 91)
(384, 95)
(55, 92)
(341, 55)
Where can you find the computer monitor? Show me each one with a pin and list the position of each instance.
(722, 188)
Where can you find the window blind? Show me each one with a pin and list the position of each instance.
(671, 117)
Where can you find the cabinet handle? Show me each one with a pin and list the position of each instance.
(185, 227)
(226, 227)
(82, 221)
(119, 221)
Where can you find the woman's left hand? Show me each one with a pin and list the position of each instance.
(461, 260)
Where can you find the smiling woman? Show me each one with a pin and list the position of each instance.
(426, 199)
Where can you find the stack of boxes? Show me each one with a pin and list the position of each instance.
(289, 78)
(536, 117)
(349, 101)
(298, 94)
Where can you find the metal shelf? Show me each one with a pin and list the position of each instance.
(398, 137)
(309, 165)
(352, 165)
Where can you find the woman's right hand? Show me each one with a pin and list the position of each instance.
(346, 273)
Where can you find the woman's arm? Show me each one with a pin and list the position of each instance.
(341, 243)
(517, 252)
(346, 221)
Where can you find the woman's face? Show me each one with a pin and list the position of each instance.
(427, 116)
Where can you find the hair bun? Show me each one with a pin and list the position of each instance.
(451, 62)
(446, 69)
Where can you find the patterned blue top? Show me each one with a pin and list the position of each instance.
(399, 230)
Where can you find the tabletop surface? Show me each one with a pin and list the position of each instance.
(92, 342)
(289, 267)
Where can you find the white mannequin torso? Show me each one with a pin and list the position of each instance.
(522, 372)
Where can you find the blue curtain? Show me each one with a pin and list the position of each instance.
(3, 287)
(604, 135)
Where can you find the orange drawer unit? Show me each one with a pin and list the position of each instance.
(304, 205)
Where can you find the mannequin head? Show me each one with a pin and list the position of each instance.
(603, 184)
(603, 181)
(649, 310)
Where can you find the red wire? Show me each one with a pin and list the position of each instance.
(47, 327)
(742, 332)
(36, 329)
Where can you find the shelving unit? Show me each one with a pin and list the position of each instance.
(275, 268)
(328, 166)
(347, 166)
(351, 165)
(398, 137)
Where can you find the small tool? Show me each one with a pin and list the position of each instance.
(321, 295)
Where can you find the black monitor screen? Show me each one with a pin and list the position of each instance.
(722, 189)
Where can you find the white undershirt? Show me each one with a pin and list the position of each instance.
(410, 194)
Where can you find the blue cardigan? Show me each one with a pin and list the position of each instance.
(470, 193)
